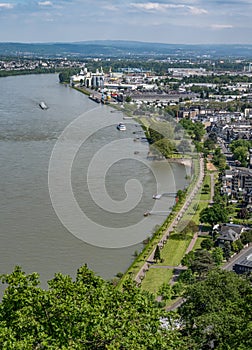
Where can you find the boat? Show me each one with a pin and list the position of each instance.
(127, 118)
(95, 98)
(42, 105)
(157, 196)
(121, 127)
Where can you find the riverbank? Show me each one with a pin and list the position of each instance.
(139, 267)
(46, 246)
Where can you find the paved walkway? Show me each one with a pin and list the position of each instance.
(212, 187)
(175, 221)
(168, 267)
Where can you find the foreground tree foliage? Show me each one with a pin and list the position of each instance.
(87, 313)
(90, 313)
(217, 312)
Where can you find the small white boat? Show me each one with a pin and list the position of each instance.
(157, 196)
(42, 105)
(121, 127)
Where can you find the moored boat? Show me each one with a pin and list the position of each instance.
(121, 127)
(43, 105)
(95, 98)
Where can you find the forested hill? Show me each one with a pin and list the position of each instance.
(110, 48)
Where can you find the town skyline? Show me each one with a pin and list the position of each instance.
(183, 22)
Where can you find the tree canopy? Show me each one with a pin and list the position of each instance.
(88, 313)
(217, 312)
(214, 215)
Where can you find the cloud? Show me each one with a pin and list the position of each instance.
(45, 3)
(156, 6)
(221, 26)
(110, 7)
(197, 11)
(6, 5)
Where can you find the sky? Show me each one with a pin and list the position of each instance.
(162, 21)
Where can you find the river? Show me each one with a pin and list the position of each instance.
(36, 234)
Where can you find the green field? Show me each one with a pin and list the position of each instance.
(155, 277)
(174, 250)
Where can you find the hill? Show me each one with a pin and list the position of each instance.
(111, 48)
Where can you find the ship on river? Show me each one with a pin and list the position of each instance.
(43, 105)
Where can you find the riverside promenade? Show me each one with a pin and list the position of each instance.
(178, 217)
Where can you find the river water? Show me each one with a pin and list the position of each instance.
(32, 235)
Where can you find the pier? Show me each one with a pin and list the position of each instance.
(165, 213)
(166, 194)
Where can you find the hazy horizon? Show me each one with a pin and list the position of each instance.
(169, 22)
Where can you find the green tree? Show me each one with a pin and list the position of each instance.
(219, 159)
(85, 313)
(164, 146)
(214, 214)
(202, 263)
(181, 195)
(209, 144)
(157, 255)
(178, 289)
(227, 250)
(237, 246)
(217, 254)
(217, 312)
(186, 277)
(246, 237)
(188, 259)
(207, 244)
(128, 99)
(241, 154)
(165, 291)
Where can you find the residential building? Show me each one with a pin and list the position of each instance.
(244, 265)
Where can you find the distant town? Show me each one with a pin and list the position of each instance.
(215, 94)
(195, 110)
(221, 102)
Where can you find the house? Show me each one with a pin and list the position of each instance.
(227, 182)
(242, 181)
(244, 265)
(229, 233)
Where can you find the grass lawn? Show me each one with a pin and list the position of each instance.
(154, 278)
(191, 213)
(198, 242)
(173, 251)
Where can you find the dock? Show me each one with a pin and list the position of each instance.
(166, 194)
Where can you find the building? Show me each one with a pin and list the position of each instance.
(89, 79)
(242, 181)
(229, 233)
(244, 265)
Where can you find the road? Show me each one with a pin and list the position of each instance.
(245, 252)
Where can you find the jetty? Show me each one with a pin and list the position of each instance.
(166, 194)
(165, 213)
